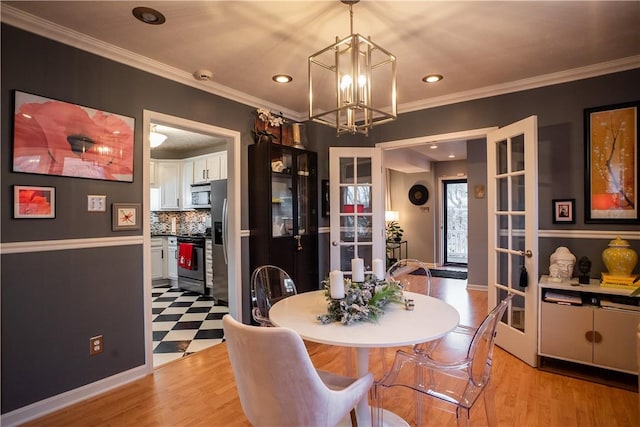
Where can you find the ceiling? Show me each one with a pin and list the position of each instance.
(482, 48)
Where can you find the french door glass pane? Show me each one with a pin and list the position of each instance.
(503, 194)
(502, 266)
(517, 193)
(503, 229)
(364, 170)
(517, 153)
(501, 160)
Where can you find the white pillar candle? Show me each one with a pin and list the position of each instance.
(378, 269)
(336, 284)
(357, 270)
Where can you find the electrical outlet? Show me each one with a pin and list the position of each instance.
(96, 345)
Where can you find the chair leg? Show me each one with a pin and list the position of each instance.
(489, 405)
(354, 419)
(419, 381)
(376, 405)
(462, 416)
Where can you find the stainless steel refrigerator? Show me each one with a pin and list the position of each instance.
(219, 232)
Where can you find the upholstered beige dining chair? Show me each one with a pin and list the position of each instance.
(269, 284)
(277, 383)
(456, 384)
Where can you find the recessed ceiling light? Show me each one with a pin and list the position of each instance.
(452, 156)
(433, 147)
(432, 78)
(148, 15)
(282, 78)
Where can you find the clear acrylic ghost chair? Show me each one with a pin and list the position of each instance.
(277, 383)
(456, 384)
(414, 276)
(269, 284)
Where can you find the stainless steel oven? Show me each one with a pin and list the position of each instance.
(191, 267)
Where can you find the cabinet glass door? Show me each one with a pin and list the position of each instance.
(281, 192)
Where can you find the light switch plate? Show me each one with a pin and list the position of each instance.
(96, 203)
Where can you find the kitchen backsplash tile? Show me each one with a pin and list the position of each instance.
(188, 222)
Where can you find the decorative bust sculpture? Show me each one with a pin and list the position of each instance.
(584, 267)
(561, 265)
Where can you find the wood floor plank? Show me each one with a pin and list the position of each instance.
(199, 390)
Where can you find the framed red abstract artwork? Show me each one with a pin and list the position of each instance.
(611, 175)
(34, 202)
(53, 137)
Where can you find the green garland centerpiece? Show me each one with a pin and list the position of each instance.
(363, 300)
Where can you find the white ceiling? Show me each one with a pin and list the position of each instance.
(482, 48)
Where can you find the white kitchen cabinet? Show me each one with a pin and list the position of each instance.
(157, 261)
(153, 173)
(187, 180)
(599, 332)
(169, 181)
(210, 168)
(172, 260)
(223, 164)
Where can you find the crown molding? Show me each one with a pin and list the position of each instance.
(50, 30)
(44, 28)
(595, 70)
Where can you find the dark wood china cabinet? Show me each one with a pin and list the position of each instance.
(283, 211)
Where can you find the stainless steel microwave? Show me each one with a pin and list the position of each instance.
(201, 196)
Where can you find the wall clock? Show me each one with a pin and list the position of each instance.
(418, 195)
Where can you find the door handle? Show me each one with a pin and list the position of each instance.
(334, 243)
(526, 253)
(298, 237)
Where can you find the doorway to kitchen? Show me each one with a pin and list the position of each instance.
(455, 222)
(185, 310)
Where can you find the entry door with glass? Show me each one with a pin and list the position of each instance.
(455, 212)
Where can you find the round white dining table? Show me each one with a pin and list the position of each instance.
(429, 320)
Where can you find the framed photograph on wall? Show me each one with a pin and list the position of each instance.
(564, 211)
(126, 216)
(612, 158)
(52, 137)
(34, 202)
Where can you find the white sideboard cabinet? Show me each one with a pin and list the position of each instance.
(588, 324)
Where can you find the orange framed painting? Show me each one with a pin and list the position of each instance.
(53, 137)
(612, 158)
(34, 202)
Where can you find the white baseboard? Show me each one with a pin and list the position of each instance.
(473, 287)
(55, 403)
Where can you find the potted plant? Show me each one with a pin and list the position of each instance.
(393, 236)
(394, 232)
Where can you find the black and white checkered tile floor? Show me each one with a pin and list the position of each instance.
(183, 323)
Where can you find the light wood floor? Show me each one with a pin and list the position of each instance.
(199, 390)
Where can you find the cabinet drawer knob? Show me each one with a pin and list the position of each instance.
(597, 337)
(589, 336)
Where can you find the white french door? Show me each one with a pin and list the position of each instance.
(356, 200)
(512, 192)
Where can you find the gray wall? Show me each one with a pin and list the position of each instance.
(58, 297)
(54, 301)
